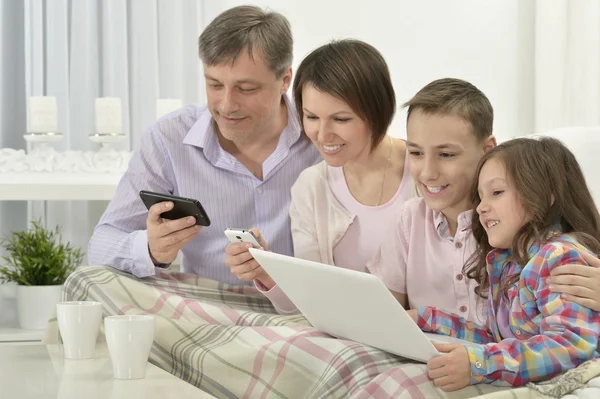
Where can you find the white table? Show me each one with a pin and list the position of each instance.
(40, 372)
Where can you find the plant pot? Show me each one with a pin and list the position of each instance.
(36, 304)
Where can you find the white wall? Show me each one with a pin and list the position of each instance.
(488, 43)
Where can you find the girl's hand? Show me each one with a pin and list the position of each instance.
(578, 283)
(452, 370)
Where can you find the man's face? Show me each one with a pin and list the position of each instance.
(244, 98)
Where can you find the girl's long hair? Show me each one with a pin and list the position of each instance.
(551, 186)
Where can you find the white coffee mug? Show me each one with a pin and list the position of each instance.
(129, 340)
(79, 323)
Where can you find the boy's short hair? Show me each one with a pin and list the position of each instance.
(455, 97)
(248, 28)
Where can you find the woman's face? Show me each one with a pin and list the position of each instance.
(332, 126)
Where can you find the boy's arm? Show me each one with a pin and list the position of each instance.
(434, 320)
(578, 283)
(568, 332)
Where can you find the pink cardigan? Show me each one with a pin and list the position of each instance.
(319, 221)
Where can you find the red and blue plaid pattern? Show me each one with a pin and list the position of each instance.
(551, 335)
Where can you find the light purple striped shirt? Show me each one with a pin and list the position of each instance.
(180, 154)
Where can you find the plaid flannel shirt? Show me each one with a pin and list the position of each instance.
(552, 335)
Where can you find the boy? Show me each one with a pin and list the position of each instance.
(449, 127)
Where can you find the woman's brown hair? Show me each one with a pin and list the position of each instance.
(551, 186)
(356, 73)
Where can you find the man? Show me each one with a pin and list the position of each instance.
(239, 156)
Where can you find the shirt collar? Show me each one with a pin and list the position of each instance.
(200, 132)
(442, 227)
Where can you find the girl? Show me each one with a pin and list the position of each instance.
(534, 213)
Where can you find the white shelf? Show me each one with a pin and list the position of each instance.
(52, 186)
(13, 334)
(9, 328)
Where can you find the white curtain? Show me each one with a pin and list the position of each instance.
(77, 50)
(12, 99)
(137, 50)
(566, 64)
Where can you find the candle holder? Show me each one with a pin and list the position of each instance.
(43, 123)
(41, 139)
(41, 154)
(106, 140)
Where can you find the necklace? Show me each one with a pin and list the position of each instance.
(387, 164)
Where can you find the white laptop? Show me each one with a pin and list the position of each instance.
(351, 305)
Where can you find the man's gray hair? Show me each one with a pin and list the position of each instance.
(251, 28)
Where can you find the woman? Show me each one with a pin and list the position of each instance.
(341, 206)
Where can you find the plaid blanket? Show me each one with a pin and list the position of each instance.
(228, 341)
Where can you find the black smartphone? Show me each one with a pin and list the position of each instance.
(183, 207)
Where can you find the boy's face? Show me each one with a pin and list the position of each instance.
(501, 213)
(443, 157)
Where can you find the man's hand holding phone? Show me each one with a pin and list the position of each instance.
(243, 265)
(166, 237)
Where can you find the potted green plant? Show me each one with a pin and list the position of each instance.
(39, 262)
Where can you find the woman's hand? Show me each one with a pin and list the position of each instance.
(243, 265)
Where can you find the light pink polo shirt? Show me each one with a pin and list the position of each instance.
(419, 258)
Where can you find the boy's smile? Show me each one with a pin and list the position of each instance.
(434, 191)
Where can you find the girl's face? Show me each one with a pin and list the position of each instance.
(501, 212)
(332, 126)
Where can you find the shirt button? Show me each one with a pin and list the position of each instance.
(459, 277)
(458, 245)
(259, 190)
(463, 308)
(518, 332)
(478, 364)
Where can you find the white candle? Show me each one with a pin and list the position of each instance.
(166, 105)
(108, 115)
(43, 115)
